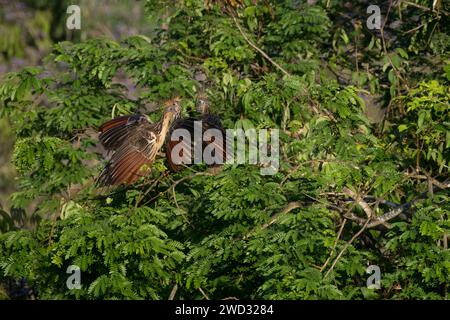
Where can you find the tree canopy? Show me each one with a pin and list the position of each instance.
(364, 126)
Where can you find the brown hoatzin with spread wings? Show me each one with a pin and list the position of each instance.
(207, 138)
(134, 142)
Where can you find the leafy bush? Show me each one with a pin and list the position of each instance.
(349, 193)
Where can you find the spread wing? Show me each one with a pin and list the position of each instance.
(208, 122)
(132, 140)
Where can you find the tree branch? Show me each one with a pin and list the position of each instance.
(291, 206)
(334, 245)
(359, 201)
(203, 293)
(173, 292)
(258, 49)
(346, 246)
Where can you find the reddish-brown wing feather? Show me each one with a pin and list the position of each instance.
(114, 123)
(133, 140)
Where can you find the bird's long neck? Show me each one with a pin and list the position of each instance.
(164, 124)
(203, 109)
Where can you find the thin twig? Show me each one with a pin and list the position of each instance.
(334, 245)
(383, 41)
(397, 211)
(173, 292)
(54, 218)
(258, 49)
(346, 246)
(150, 188)
(441, 185)
(291, 206)
(389, 215)
(183, 179)
(203, 293)
(177, 183)
(424, 8)
(359, 200)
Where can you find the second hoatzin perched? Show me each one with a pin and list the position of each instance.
(208, 121)
(134, 142)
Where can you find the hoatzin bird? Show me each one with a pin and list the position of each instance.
(134, 142)
(208, 121)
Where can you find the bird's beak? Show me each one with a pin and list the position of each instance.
(175, 109)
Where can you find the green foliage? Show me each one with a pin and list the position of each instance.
(427, 122)
(294, 235)
(422, 262)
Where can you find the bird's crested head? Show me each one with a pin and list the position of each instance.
(173, 106)
(202, 104)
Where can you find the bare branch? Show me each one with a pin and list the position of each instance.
(390, 215)
(173, 292)
(334, 245)
(203, 293)
(359, 200)
(172, 187)
(346, 246)
(259, 50)
(291, 206)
